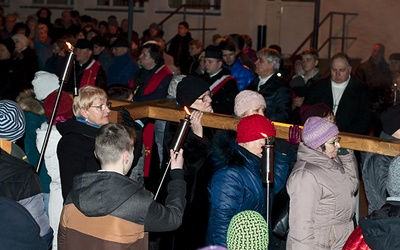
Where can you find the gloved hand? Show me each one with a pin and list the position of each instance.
(294, 135)
(128, 120)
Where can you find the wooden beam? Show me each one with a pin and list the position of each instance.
(167, 110)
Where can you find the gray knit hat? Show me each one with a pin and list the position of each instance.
(247, 230)
(12, 121)
(393, 180)
(317, 131)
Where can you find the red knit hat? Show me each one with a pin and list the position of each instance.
(64, 108)
(250, 128)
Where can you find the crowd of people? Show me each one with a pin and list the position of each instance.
(96, 184)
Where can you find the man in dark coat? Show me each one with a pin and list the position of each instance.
(274, 89)
(348, 98)
(179, 47)
(223, 85)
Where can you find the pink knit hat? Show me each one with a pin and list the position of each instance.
(250, 128)
(246, 100)
(317, 131)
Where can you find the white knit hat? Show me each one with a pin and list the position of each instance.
(44, 84)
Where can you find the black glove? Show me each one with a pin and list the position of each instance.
(128, 120)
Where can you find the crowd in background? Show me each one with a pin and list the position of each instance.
(217, 176)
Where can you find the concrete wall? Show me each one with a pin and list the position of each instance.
(288, 23)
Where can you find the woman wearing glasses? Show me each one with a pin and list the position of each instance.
(75, 149)
(322, 189)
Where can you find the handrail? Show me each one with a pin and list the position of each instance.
(185, 6)
(328, 40)
(166, 110)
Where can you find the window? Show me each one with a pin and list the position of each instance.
(63, 2)
(195, 4)
(136, 3)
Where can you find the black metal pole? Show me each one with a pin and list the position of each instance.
(317, 10)
(130, 23)
(63, 79)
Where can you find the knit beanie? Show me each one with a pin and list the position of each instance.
(189, 89)
(393, 180)
(317, 131)
(246, 100)
(250, 128)
(12, 121)
(247, 230)
(44, 83)
(64, 108)
(390, 119)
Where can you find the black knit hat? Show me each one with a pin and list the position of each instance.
(189, 89)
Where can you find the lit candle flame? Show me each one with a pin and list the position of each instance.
(186, 110)
(70, 47)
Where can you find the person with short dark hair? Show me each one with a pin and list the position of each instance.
(88, 71)
(151, 81)
(223, 85)
(179, 48)
(123, 66)
(108, 197)
(241, 73)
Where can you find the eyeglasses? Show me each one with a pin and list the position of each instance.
(333, 143)
(103, 106)
(204, 98)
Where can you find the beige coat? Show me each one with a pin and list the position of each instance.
(322, 200)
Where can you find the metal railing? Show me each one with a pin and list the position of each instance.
(329, 40)
(185, 7)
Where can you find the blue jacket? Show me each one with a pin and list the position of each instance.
(235, 186)
(242, 74)
(121, 70)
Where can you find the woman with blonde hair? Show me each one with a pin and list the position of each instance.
(76, 147)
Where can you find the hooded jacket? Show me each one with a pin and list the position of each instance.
(19, 182)
(106, 210)
(75, 151)
(322, 200)
(375, 170)
(235, 186)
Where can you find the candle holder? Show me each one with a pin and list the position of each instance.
(268, 159)
(177, 144)
(181, 133)
(63, 79)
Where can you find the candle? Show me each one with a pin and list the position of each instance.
(181, 133)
